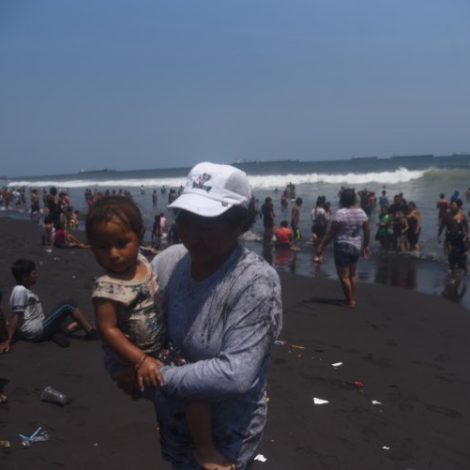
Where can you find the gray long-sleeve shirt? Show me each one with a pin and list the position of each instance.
(225, 325)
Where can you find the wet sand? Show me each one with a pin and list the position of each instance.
(410, 351)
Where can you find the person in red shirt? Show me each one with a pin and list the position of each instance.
(442, 207)
(284, 234)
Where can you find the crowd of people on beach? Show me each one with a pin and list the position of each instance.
(173, 351)
(399, 223)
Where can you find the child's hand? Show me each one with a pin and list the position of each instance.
(148, 373)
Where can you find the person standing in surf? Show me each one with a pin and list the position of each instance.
(346, 227)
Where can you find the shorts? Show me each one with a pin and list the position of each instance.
(296, 232)
(345, 254)
(413, 238)
(319, 231)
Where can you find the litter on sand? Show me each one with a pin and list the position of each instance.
(337, 364)
(261, 458)
(358, 384)
(320, 401)
(279, 342)
(39, 435)
(385, 447)
(376, 402)
(297, 346)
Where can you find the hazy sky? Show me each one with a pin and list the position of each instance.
(150, 84)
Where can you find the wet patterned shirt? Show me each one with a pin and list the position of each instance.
(225, 326)
(350, 222)
(138, 314)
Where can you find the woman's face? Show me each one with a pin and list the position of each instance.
(209, 240)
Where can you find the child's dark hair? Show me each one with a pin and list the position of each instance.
(120, 207)
(22, 267)
(284, 223)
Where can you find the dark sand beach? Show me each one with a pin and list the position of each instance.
(410, 351)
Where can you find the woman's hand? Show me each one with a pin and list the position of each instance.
(365, 252)
(148, 373)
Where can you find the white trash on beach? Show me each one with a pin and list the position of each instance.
(376, 402)
(337, 364)
(386, 447)
(320, 401)
(261, 458)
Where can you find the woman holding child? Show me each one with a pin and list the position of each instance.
(222, 305)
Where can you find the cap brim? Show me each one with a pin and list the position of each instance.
(199, 205)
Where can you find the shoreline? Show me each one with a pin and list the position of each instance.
(408, 271)
(410, 351)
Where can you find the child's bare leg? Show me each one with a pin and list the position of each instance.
(82, 321)
(198, 418)
(72, 326)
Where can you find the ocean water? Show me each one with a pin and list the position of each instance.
(421, 179)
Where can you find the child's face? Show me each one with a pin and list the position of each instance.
(31, 278)
(115, 247)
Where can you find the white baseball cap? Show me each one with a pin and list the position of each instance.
(212, 189)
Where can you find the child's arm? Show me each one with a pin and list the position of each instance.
(147, 368)
(11, 329)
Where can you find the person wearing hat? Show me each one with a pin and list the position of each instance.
(223, 310)
(347, 224)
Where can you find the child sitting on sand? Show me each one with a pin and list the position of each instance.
(64, 239)
(283, 235)
(129, 319)
(27, 319)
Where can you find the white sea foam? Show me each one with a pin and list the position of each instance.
(109, 183)
(401, 175)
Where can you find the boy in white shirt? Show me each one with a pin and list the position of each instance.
(27, 319)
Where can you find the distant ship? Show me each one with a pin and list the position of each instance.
(103, 170)
(365, 158)
(412, 157)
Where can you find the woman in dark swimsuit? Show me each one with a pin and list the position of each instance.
(53, 204)
(414, 224)
(456, 238)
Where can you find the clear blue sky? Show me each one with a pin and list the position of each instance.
(150, 84)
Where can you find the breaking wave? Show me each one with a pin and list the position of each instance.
(400, 175)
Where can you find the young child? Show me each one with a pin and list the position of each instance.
(27, 319)
(49, 231)
(284, 235)
(128, 316)
(64, 239)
